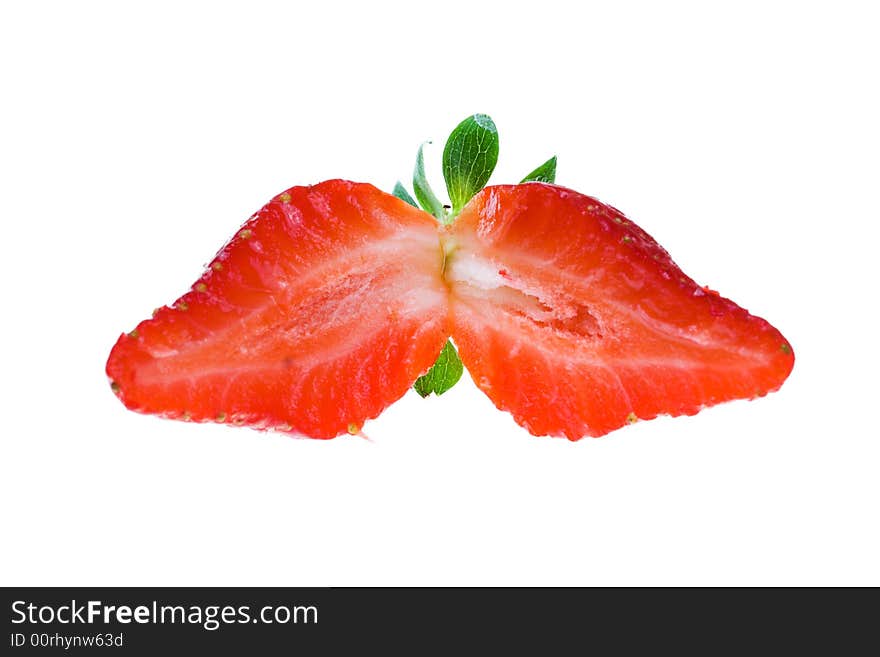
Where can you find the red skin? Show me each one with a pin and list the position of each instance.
(331, 300)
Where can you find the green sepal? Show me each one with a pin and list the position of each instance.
(427, 199)
(401, 193)
(469, 158)
(545, 173)
(444, 373)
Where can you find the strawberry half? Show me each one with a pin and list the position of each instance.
(318, 314)
(576, 321)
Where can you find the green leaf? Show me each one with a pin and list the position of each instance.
(443, 374)
(545, 173)
(427, 199)
(469, 158)
(401, 193)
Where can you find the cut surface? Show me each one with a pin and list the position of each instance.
(322, 310)
(576, 321)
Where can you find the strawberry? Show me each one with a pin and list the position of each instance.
(332, 300)
(576, 321)
(318, 314)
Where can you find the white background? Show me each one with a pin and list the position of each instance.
(135, 139)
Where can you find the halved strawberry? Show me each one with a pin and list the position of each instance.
(576, 321)
(320, 312)
(332, 300)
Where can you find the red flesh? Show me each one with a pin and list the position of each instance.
(318, 314)
(331, 300)
(576, 321)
